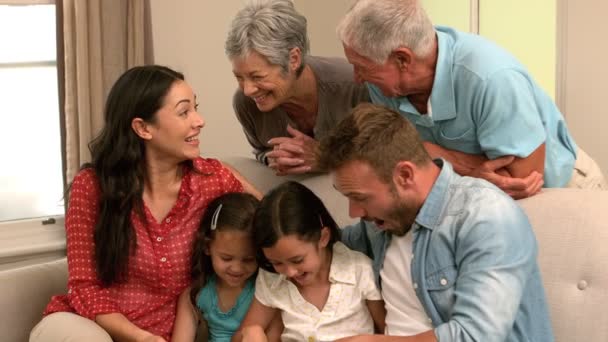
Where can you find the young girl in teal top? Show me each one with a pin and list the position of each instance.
(223, 272)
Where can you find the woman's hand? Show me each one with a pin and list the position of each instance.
(293, 155)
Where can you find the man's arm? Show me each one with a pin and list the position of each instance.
(518, 177)
(496, 259)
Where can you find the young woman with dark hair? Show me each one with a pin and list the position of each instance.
(133, 212)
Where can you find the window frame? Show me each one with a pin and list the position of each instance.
(29, 240)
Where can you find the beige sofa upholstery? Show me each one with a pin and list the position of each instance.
(571, 227)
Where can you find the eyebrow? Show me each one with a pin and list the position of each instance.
(184, 100)
(348, 194)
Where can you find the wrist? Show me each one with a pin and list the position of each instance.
(141, 335)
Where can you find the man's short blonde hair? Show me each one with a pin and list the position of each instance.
(376, 135)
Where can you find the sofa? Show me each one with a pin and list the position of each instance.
(571, 227)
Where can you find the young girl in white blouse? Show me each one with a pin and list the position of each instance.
(323, 290)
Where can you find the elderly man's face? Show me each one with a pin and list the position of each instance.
(372, 199)
(385, 76)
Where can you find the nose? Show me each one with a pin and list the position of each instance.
(199, 121)
(236, 267)
(249, 88)
(291, 271)
(355, 210)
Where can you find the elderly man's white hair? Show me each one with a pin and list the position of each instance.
(375, 28)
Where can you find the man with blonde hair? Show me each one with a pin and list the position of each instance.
(454, 257)
(472, 102)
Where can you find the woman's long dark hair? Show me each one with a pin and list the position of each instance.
(118, 160)
(236, 213)
(290, 209)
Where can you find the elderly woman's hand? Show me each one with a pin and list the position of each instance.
(293, 155)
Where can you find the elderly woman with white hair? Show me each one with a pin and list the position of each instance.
(287, 100)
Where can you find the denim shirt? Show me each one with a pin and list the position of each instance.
(474, 266)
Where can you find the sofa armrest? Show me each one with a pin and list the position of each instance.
(24, 293)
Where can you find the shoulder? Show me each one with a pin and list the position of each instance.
(351, 259)
(210, 170)
(244, 106)
(206, 165)
(474, 57)
(205, 295)
(484, 209)
(331, 69)
(269, 286)
(267, 278)
(85, 181)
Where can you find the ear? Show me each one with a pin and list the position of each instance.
(404, 174)
(295, 59)
(325, 236)
(141, 128)
(403, 57)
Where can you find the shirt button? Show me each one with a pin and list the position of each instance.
(430, 320)
(443, 281)
(163, 259)
(582, 285)
(415, 285)
(159, 239)
(168, 220)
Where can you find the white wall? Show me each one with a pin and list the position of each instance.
(583, 72)
(323, 17)
(188, 35)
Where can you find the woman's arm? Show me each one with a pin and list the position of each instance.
(378, 311)
(186, 320)
(257, 320)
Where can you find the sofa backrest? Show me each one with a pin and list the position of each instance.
(571, 226)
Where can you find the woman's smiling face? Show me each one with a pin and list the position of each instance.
(267, 84)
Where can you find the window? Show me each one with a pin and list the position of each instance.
(31, 184)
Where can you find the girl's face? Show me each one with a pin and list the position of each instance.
(233, 257)
(299, 260)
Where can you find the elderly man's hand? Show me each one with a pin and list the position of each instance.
(494, 172)
(293, 155)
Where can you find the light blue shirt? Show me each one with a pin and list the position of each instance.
(484, 101)
(474, 266)
(222, 325)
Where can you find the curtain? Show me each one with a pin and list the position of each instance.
(101, 39)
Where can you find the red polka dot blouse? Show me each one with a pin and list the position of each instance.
(159, 270)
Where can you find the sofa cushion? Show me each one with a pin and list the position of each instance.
(25, 293)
